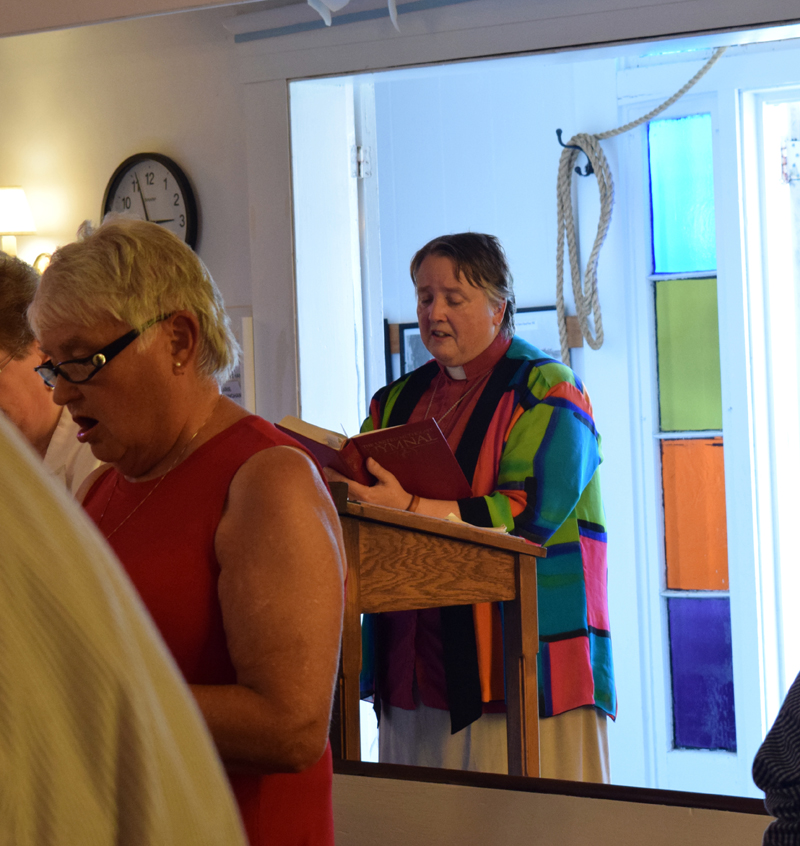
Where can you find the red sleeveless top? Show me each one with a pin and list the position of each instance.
(167, 548)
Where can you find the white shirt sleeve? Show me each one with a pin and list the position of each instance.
(67, 458)
(100, 740)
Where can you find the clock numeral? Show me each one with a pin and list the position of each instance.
(149, 186)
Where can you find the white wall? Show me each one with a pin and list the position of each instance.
(471, 147)
(327, 267)
(399, 813)
(78, 102)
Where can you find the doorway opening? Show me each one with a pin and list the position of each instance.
(384, 162)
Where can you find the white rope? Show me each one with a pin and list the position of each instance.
(587, 300)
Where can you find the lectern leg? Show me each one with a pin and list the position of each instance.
(521, 647)
(350, 665)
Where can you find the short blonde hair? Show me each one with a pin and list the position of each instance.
(134, 271)
(18, 282)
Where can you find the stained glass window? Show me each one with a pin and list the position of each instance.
(688, 355)
(682, 194)
(702, 673)
(690, 402)
(695, 534)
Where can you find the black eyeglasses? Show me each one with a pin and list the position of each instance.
(80, 370)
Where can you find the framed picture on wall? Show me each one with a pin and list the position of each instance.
(539, 326)
(388, 351)
(241, 386)
(413, 353)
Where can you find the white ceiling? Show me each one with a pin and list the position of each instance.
(685, 16)
(38, 15)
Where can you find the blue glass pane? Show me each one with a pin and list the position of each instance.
(702, 673)
(682, 195)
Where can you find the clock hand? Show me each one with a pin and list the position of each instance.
(165, 220)
(139, 189)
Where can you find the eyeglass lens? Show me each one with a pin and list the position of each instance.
(72, 372)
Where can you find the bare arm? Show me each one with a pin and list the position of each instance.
(281, 589)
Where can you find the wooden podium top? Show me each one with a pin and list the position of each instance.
(436, 526)
(408, 561)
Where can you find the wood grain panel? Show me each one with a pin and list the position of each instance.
(434, 525)
(350, 663)
(402, 570)
(574, 334)
(521, 646)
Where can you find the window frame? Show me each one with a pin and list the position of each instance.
(670, 767)
(751, 103)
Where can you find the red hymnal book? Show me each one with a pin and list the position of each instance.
(417, 454)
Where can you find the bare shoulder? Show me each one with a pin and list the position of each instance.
(277, 497)
(279, 470)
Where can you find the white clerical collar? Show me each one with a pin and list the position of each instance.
(456, 373)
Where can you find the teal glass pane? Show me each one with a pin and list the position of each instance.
(682, 195)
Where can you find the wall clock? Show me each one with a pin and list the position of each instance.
(153, 187)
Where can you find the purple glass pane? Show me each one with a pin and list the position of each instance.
(702, 673)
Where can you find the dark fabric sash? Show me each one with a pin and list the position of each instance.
(417, 383)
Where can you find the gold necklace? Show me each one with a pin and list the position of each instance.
(160, 480)
(462, 397)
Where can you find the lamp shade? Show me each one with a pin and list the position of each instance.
(15, 213)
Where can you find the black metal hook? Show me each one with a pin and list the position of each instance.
(589, 169)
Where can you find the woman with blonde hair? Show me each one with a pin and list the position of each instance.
(224, 525)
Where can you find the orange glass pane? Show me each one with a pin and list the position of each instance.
(693, 476)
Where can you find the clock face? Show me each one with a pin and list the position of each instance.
(152, 187)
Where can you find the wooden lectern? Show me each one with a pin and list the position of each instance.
(400, 562)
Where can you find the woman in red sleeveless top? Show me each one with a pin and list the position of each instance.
(223, 524)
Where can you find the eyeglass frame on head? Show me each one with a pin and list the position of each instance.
(49, 372)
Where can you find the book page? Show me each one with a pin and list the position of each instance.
(335, 440)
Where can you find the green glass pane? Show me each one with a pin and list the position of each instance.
(688, 354)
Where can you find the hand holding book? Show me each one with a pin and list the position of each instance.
(388, 492)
